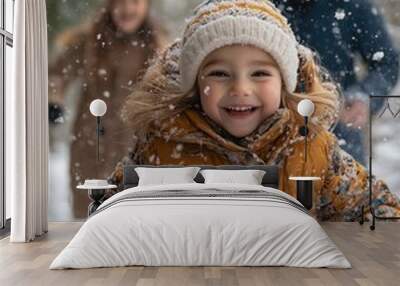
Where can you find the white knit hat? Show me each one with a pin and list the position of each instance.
(219, 23)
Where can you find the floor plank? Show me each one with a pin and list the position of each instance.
(375, 257)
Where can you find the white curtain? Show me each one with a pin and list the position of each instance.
(27, 124)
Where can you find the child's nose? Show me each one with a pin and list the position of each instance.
(240, 87)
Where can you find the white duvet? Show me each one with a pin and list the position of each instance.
(183, 231)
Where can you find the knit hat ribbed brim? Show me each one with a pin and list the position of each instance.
(220, 23)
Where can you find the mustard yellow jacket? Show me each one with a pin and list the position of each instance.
(193, 139)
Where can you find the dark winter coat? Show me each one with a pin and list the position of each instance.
(103, 65)
(340, 31)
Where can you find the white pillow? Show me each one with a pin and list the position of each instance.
(248, 177)
(163, 176)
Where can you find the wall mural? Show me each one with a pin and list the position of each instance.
(102, 50)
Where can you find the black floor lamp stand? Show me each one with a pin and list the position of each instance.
(371, 208)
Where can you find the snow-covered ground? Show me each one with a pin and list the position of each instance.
(60, 196)
(386, 145)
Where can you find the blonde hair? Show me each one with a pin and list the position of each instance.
(157, 98)
(315, 83)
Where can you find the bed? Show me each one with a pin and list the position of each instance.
(201, 224)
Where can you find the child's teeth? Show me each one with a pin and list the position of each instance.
(240, 108)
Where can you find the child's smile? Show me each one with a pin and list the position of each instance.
(240, 111)
(240, 87)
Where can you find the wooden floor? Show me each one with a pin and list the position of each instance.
(375, 257)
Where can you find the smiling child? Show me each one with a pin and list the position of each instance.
(227, 93)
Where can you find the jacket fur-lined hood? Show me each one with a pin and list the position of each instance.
(269, 143)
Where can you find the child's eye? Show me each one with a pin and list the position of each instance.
(261, 73)
(218, 73)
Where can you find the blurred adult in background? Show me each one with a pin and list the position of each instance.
(344, 33)
(104, 57)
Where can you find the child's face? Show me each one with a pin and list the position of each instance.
(240, 86)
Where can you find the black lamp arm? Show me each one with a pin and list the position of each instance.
(304, 132)
(99, 131)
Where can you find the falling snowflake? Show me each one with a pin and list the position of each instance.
(341, 142)
(106, 94)
(378, 56)
(340, 14)
(59, 120)
(336, 30)
(179, 147)
(151, 158)
(98, 36)
(102, 72)
(290, 8)
(171, 107)
(207, 90)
